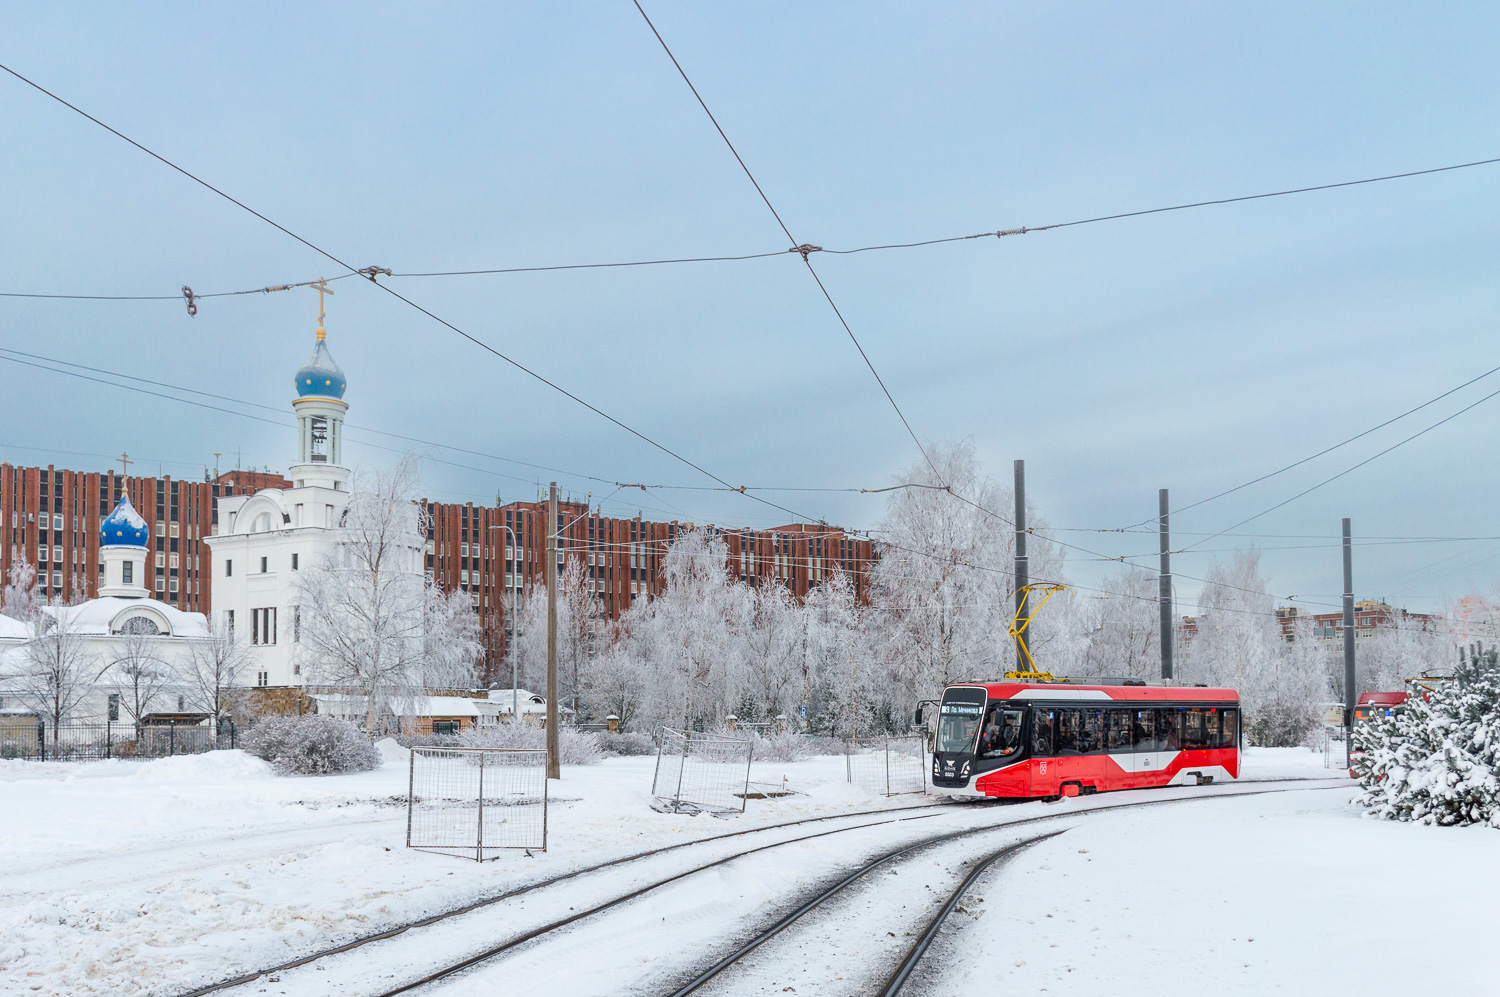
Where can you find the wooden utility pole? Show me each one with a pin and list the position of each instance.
(554, 769)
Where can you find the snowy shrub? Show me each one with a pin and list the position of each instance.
(1437, 761)
(781, 747)
(626, 744)
(575, 747)
(310, 745)
(1281, 724)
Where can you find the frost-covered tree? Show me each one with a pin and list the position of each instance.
(19, 599)
(943, 585)
(1396, 651)
(365, 602)
(773, 640)
(450, 640)
(135, 669)
(58, 668)
(1438, 761)
(210, 670)
(616, 683)
(1239, 645)
(1122, 624)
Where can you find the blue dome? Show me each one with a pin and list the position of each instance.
(321, 377)
(124, 527)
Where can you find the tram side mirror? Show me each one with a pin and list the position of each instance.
(918, 719)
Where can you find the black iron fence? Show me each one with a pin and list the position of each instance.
(41, 740)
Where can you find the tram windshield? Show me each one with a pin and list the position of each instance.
(958, 723)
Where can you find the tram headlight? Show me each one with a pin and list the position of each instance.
(965, 772)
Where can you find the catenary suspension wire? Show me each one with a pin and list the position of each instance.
(444, 322)
(1320, 453)
(796, 247)
(1346, 470)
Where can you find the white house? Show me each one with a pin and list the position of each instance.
(263, 540)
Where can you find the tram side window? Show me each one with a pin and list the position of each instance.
(1090, 731)
(1066, 742)
(1167, 735)
(1118, 735)
(1229, 720)
(1043, 724)
(1145, 731)
(1195, 728)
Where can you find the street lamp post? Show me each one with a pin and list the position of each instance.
(515, 696)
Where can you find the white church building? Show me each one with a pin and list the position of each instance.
(264, 539)
(123, 627)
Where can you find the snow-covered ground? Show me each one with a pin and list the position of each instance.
(1288, 893)
(150, 878)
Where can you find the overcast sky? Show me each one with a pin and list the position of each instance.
(1191, 350)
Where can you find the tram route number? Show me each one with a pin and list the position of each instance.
(969, 709)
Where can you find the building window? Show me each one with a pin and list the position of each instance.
(228, 569)
(127, 573)
(263, 565)
(319, 433)
(181, 703)
(294, 562)
(262, 679)
(263, 626)
(114, 706)
(445, 726)
(296, 624)
(229, 621)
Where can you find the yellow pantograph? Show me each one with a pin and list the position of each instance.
(1018, 627)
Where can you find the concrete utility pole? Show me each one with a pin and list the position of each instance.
(554, 768)
(1165, 596)
(1349, 694)
(1023, 570)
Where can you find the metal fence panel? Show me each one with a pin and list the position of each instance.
(698, 773)
(39, 740)
(477, 802)
(887, 766)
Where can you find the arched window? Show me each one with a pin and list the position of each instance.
(140, 625)
(262, 523)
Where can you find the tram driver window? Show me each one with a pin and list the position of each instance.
(1229, 719)
(1001, 735)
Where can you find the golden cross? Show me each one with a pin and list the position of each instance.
(125, 463)
(321, 286)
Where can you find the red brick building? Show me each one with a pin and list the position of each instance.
(51, 518)
(496, 553)
(493, 553)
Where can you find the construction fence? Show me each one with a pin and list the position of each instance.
(701, 773)
(477, 802)
(887, 766)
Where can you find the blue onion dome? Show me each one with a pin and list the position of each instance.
(124, 527)
(321, 377)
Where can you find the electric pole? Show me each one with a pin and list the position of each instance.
(1023, 574)
(1349, 695)
(554, 769)
(1165, 596)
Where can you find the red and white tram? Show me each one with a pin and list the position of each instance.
(1036, 739)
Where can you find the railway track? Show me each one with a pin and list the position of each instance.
(472, 959)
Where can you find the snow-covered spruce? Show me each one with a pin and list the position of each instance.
(311, 745)
(1437, 762)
